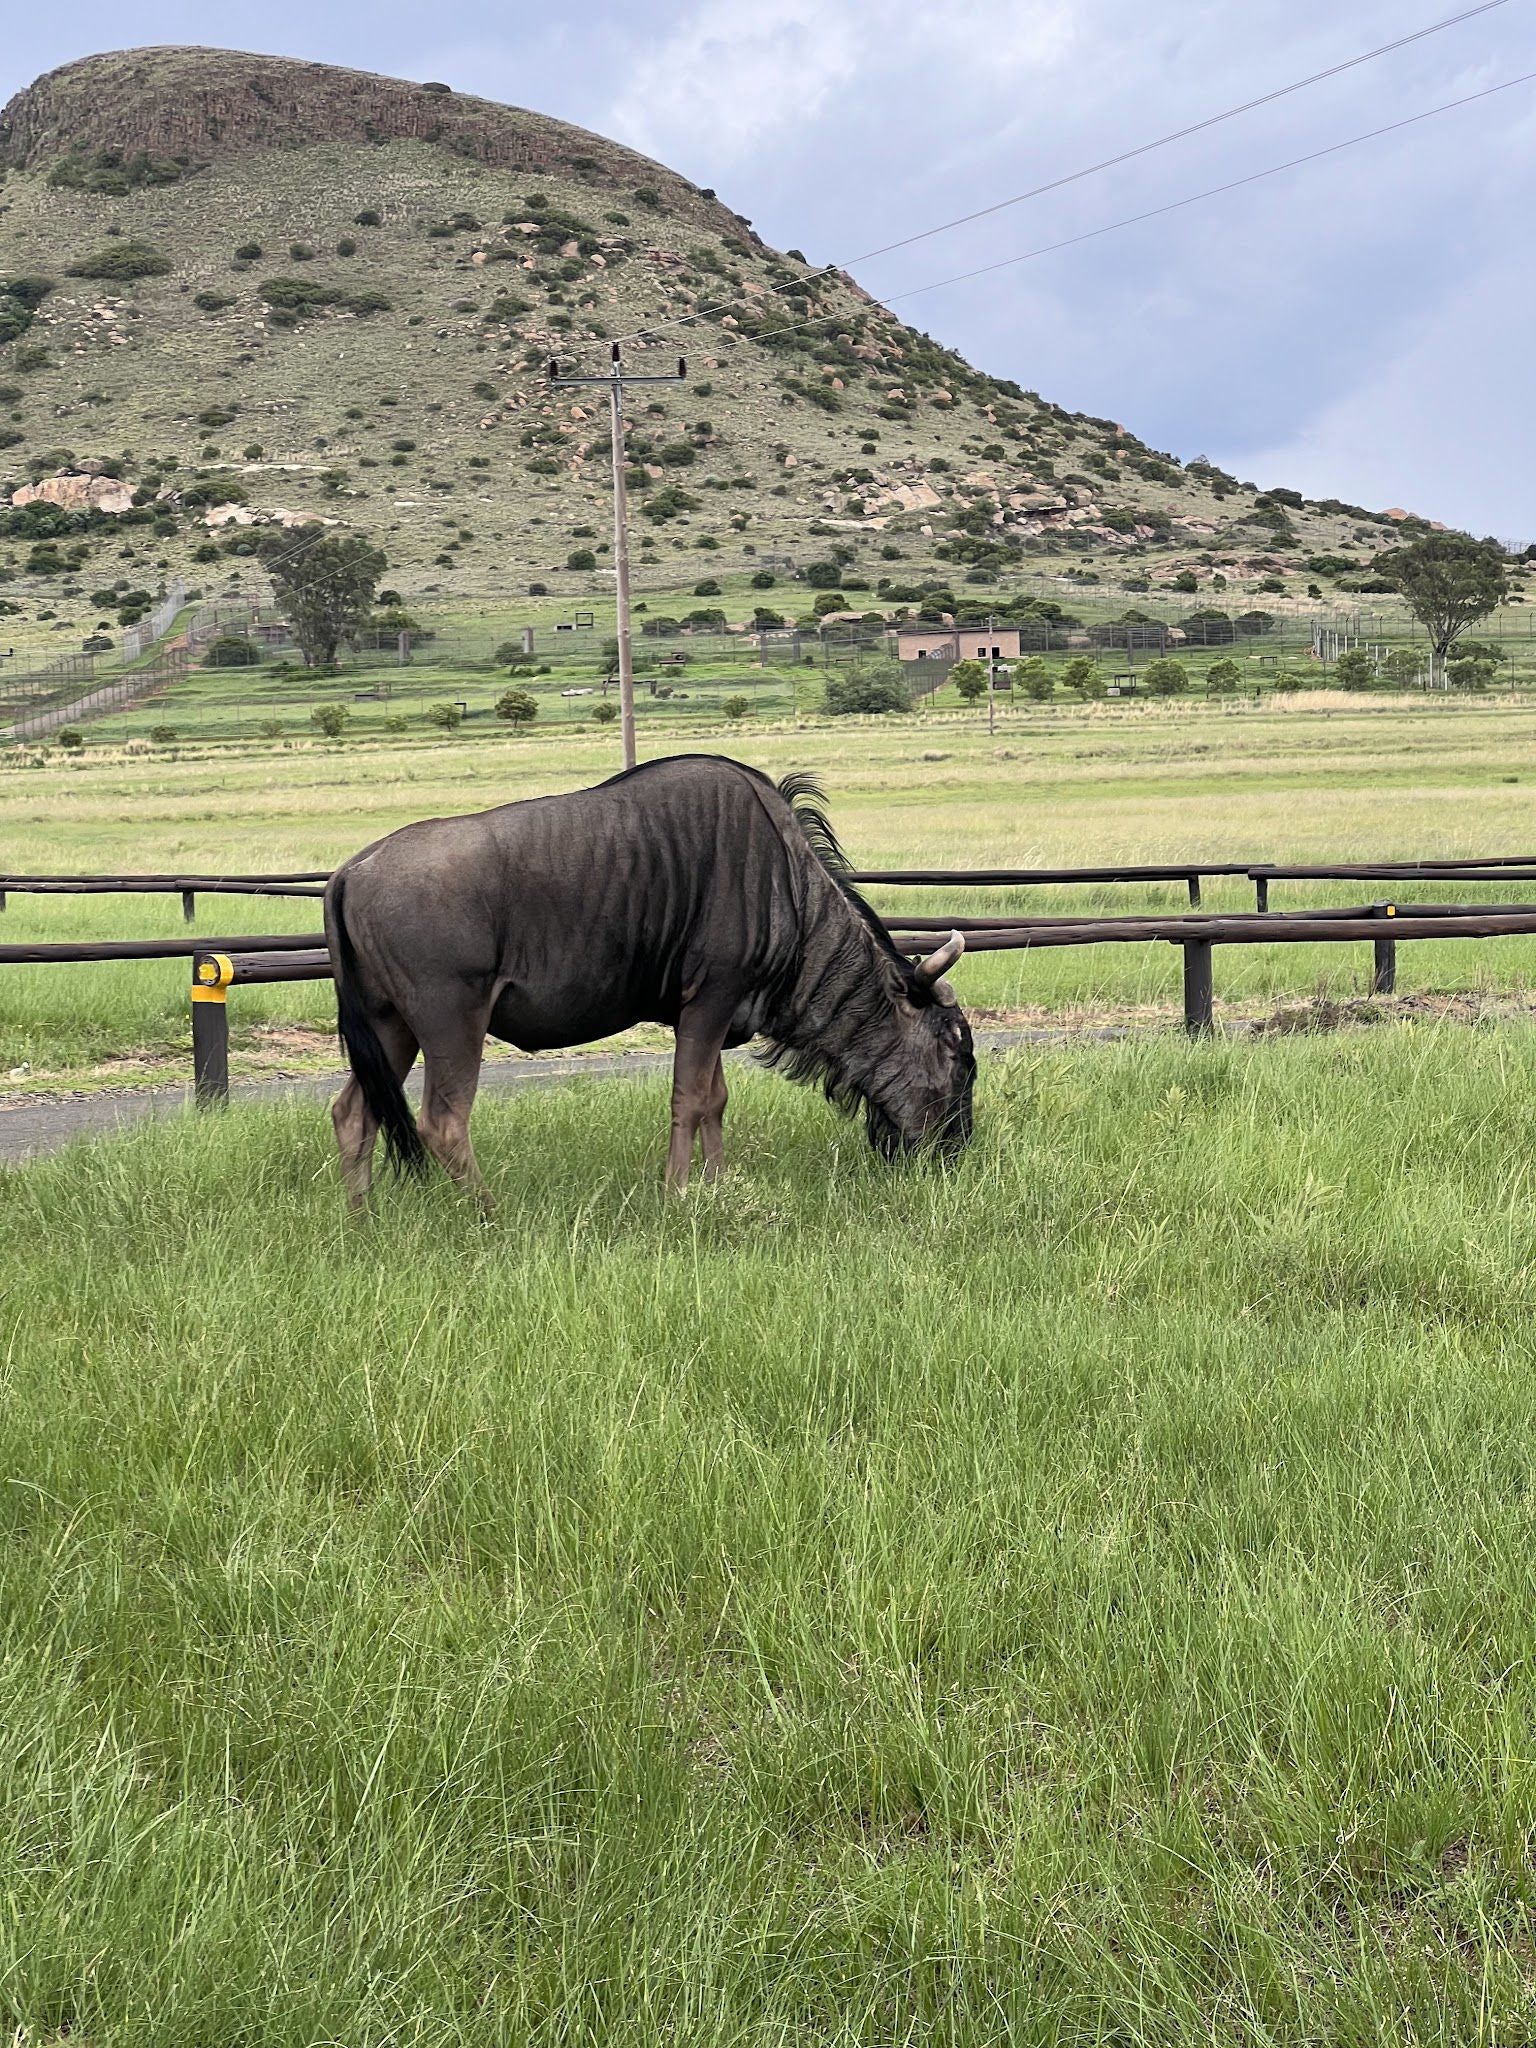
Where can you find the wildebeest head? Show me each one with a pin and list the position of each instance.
(926, 1100)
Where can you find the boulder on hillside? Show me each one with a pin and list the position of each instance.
(76, 492)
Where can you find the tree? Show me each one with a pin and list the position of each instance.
(878, 686)
(1404, 666)
(969, 679)
(1354, 670)
(517, 707)
(1223, 678)
(1081, 674)
(330, 719)
(1470, 672)
(444, 715)
(1034, 679)
(605, 714)
(232, 650)
(736, 708)
(1448, 581)
(324, 585)
(1166, 677)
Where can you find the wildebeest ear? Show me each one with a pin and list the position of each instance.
(938, 964)
(945, 996)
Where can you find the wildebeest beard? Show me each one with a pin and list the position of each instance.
(838, 1026)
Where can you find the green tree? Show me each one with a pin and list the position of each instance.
(878, 686)
(1404, 666)
(969, 679)
(1223, 678)
(1081, 674)
(1034, 678)
(517, 707)
(736, 708)
(444, 715)
(232, 650)
(605, 714)
(1448, 581)
(330, 719)
(324, 584)
(1354, 670)
(1166, 677)
(1470, 672)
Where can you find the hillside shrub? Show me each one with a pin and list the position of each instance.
(969, 679)
(330, 719)
(122, 261)
(736, 708)
(1354, 670)
(370, 217)
(247, 252)
(581, 558)
(444, 715)
(346, 246)
(212, 302)
(604, 714)
(1223, 678)
(764, 579)
(69, 739)
(163, 735)
(1034, 678)
(300, 252)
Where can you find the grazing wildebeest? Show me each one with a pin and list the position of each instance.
(691, 892)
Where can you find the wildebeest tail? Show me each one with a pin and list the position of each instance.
(371, 1069)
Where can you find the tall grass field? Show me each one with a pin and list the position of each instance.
(1081, 1597)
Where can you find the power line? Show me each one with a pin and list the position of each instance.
(1153, 213)
(1091, 170)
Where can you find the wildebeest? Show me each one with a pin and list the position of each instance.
(691, 892)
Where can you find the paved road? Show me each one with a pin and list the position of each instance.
(31, 1129)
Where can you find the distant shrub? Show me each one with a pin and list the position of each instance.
(1223, 678)
(300, 252)
(647, 195)
(270, 729)
(444, 715)
(69, 739)
(538, 590)
(247, 252)
(605, 714)
(163, 735)
(212, 302)
(736, 708)
(98, 643)
(581, 558)
(370, 217)
(121, 260)
(1354, 670)
(764, 579)
(214, 416)
(708, 588)
(230, 650)
(517, 707)
(330, 719)
(346, 246)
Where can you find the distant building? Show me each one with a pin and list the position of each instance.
(922, 640)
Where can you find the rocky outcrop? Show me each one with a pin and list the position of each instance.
(77, 493)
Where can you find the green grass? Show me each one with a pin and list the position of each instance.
(1082, 1598)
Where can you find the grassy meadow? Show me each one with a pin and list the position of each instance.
(1083, 1597)
(1312, 778)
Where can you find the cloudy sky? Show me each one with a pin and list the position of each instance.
(1360, 327)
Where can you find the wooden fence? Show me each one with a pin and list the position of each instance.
(219, 964)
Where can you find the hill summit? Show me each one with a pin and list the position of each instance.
(255, 289)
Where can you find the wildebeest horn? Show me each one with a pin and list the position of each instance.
(940, 963)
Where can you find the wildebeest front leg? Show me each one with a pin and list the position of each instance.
(698, 1098)
(355, 1126)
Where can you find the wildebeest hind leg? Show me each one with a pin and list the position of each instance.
(354, 1123)
(448, 1095)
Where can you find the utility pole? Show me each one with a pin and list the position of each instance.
(616, 379)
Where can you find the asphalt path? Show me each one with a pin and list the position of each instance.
(28, 1130)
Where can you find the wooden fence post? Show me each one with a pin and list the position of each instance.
(188, 906)
(211, 976)
(1384, 956)
(1194, 892)
(1197, 987)
(1261, 892)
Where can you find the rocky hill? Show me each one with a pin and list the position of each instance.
(255, 289)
